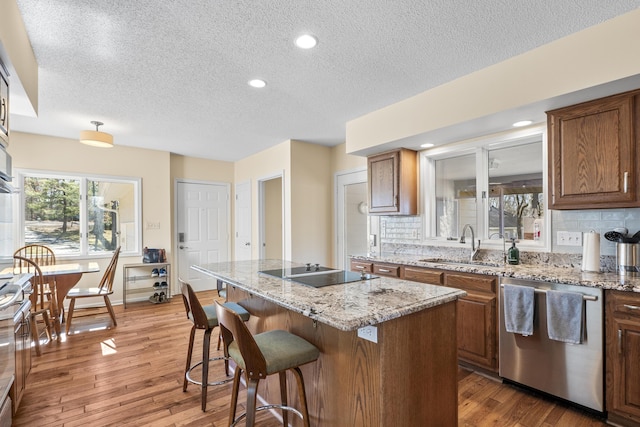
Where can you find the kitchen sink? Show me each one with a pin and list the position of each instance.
(461, 263)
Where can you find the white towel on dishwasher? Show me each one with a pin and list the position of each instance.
(564, 316)
(518, 309)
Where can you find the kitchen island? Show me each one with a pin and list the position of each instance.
(404, 373)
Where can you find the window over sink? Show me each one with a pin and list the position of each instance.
(496, 184)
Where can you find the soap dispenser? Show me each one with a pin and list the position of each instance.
(513, 254)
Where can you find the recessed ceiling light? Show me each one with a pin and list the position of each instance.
(257, 83)
(522, 123)
(306, 41)
(427, 145)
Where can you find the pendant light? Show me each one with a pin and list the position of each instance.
(96, 138)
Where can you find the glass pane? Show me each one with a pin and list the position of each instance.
(51, 213)
(110, 216)
(516, 195)
(455, 195)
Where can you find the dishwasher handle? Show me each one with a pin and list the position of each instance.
(584, 297)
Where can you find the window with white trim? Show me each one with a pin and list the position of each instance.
(80, 215)
(496, 185)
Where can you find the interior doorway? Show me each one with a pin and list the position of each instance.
(352, 220)
(271, 218)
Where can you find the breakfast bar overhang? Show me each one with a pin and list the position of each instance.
(404, 373)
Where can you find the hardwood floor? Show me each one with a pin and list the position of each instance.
(132, 376)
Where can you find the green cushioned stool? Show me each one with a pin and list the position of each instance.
(261, 355)
(205, 318)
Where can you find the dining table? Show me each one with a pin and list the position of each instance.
(63, 276)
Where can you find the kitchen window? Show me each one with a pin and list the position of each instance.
(80, 215)
(497, 185)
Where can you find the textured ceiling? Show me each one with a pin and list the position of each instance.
(172, 75)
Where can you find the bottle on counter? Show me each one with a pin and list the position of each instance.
(513, 254)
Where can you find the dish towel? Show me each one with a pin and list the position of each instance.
(518, 309)
(564, 316)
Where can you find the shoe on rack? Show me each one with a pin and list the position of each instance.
(162, 272)
(157, 285)
(164, 285)
(154, 298)
(161, 298)
(155, 273)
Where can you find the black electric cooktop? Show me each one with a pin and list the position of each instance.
(317, 276)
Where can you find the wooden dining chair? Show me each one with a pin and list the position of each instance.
(41, 303)
(40, 254)
(104, 289)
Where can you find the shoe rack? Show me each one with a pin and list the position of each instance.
(149, 281)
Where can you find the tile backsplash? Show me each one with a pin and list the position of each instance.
(405, 233)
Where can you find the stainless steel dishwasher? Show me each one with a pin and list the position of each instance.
(574, 372)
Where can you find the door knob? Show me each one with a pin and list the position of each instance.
(183, 247)
(248, 244)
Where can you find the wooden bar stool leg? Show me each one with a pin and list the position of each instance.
(252, 391)
(283, 397)
(234, 394)
(35, 335)
(112, 313)
(189, 353)
(206, 341)
(303, 395)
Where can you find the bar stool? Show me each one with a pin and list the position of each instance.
(261, 355)
(204, 317)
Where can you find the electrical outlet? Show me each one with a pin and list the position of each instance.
(369, 333)
(569, 238)
(153, 225)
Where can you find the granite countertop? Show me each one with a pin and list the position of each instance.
(542, 272)
(346, 307)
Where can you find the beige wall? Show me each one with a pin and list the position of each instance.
(594, 56)
(311, 184)
(274, 161)
(47, 153)
(341, 161)
(273, 218)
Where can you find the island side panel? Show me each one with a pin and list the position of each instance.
(419, 368)
(343, 385)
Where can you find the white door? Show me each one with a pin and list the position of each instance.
(352, 221)
(243, 221)
(202, 229)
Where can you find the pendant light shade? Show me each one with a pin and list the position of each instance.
(96, 138)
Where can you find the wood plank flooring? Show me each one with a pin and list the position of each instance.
(131, 375)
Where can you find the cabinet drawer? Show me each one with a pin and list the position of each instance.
(472, 282)
(424, 275)
(386, 270)
(361, 266)
(623, 303)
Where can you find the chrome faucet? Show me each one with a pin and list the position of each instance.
(474, 250)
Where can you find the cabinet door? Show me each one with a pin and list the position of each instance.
(475, 328)
(622, 317)
(477, 319)
(393, 183)
(626, 369)
(383, 182)
(592, 154)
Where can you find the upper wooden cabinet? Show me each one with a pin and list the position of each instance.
(393, 183)
(593, 153)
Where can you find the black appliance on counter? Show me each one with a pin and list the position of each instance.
(317, 276)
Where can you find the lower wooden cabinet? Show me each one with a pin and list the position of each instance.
(477, 323)
(622, 318)
(477, 313)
